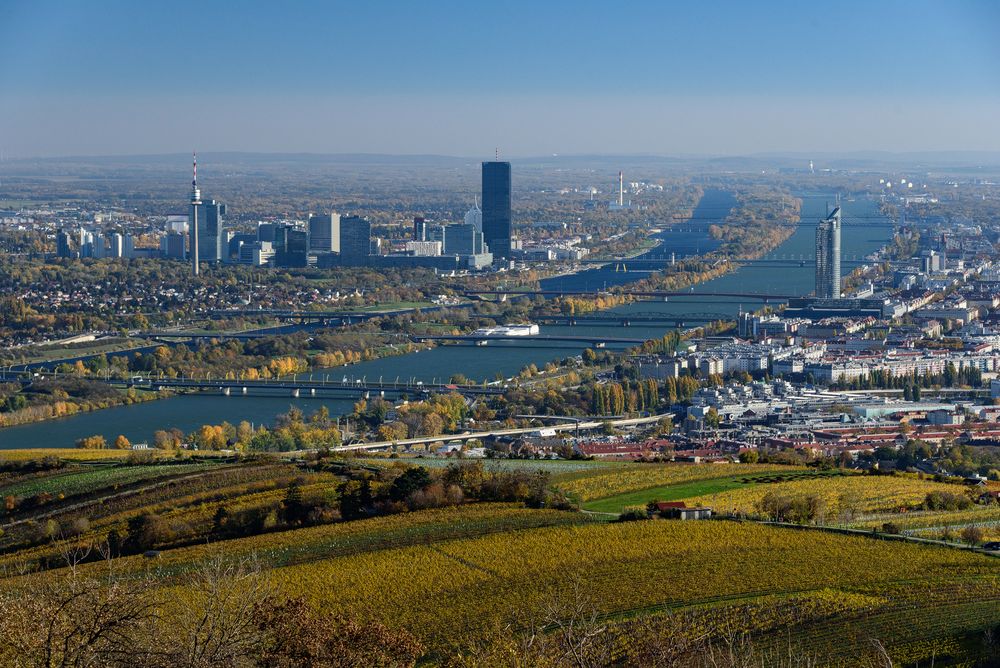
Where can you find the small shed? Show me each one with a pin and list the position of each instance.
(678, 510)
(699, 513)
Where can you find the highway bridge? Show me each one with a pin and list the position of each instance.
(408, 443)
(660, 262)
(480, 340)
(627, 319)
(296, 387)
(248, 335)
(326, 317)
(660, 294)
(299, 315)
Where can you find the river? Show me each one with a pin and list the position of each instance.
(137, 422)
(681, 240)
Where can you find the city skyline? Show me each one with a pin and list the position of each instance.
(663, 79)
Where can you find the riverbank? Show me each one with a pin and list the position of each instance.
(501, 360)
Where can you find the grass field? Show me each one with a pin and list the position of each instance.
(623, 478)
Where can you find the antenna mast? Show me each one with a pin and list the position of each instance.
(195, 203)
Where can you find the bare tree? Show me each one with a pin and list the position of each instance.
(213, 621)
(77, 619)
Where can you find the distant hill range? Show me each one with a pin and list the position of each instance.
(962, 161)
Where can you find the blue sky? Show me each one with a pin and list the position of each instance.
(95, 77)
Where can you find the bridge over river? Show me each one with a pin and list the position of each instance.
(306, 387)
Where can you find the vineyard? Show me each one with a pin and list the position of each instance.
(76, 482)
(453, 575)
(78, 455)
(844, 496)
(503, 578)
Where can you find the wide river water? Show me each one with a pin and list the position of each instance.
(188, 412)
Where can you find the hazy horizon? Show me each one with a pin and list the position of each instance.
(117, 78)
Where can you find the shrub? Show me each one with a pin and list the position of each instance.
(938, 500)
(973, 535)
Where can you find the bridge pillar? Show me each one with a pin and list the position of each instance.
(244, 390)
(367, 395)
(295, 393)
(312, 392)
(226, 391)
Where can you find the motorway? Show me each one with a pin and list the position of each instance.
(471, 435)
(597, 340)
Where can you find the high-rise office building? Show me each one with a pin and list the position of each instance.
(474, 217)
(463, 239)
(63, 244)
(176, 224)
(265, 232)
(212, 240)
(496, 208)
(324, 232)
(419, 228)
(296, 251)
(436, 233)
(116, 245)
(236, 244)
(828, 256)
(100, 245)
(355, 241)
(173, 245)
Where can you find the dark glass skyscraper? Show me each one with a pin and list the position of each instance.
(355, 241)
(212, 242)
(496, 208)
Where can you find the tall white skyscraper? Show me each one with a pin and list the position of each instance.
(828, 256)
(474, 217)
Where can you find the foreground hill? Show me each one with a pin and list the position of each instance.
(435, 570)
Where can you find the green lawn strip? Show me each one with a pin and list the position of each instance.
(693, 488)
(617, 504)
